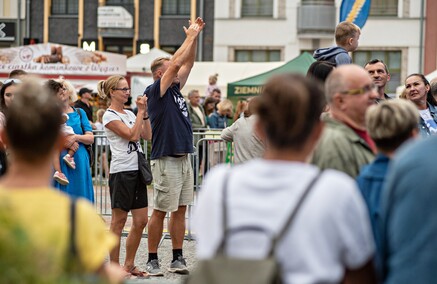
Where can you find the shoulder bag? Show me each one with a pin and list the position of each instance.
(89, 148)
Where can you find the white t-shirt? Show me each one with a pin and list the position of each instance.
(124, 155)
(330, 232)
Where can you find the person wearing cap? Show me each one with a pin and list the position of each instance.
(84, 103)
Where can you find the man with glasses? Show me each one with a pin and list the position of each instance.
(378, 71)
(345, 144)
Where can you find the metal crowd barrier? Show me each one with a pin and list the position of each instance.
(209, 150)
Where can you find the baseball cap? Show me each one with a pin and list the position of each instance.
(85, 90)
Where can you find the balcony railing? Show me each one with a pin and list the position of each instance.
(316, 18)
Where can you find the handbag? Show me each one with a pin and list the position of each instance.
(223, 269)
(89, 148)
(144, 168)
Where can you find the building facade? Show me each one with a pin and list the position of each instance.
(400, 32)
(121, 26)
(276, 30)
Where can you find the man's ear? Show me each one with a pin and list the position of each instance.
(388, 77)
(338, 101)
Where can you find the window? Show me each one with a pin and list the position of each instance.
(65, 7)
(391, 58)
(176, 7)
(257, 8)
(318, 2)
(127, 4)
(384, 8)
(257, 55)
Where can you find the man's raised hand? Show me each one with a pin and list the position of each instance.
(195, 27)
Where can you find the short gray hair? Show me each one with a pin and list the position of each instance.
(192, 92)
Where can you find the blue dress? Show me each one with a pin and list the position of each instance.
(81, 184)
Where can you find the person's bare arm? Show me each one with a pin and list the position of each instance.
(183, 56)
(132, 134)
(146, 129)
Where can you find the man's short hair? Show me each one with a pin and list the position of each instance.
(374, 61)
(335, 83)
(157, 63)
(217, 90)
(391, 123)
(192, 92)
(344, 31)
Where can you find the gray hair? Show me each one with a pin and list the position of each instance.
(192, 92)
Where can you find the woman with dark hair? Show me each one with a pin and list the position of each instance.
(418, 91)
(209, 107)
(7, 92)
(320, 70)
(330, 237)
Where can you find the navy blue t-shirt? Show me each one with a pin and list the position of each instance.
(172, 133)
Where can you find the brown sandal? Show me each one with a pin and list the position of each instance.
(136, 272)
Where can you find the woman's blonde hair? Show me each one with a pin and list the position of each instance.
(70, 90)
(99, 114)
(104, 87)
(391, 123)
(225, 105)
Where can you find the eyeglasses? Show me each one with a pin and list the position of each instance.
(13, 80)
(122, 89)
(360, 91)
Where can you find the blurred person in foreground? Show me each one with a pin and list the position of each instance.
(247, 145)
(389, 124)
(408, 215)
(36, 243)
(330, 239)
(418, 91)
(345, 144)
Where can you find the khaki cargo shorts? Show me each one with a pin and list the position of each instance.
(173, 183)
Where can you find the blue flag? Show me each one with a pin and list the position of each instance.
(355, 11)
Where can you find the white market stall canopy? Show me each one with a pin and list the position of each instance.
(57, 59)
(141, 62)
(227, 72)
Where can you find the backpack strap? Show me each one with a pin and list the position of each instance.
(72, 255)
(80, 118)
(73, 248)
(294, 212)
(288, 222)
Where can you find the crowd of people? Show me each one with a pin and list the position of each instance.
(331, 174)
